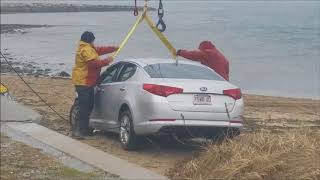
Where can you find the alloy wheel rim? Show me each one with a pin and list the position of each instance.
(125, 129)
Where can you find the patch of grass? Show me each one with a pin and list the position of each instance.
(294, 154)
(19, 161)
(72, 173)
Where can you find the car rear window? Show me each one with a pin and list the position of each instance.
(181, 71)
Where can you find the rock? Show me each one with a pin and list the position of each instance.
(33, 62)
(14, 63)
(37, 74)
(5, 68)
(47, 71)
(63, 74)
(29, 66)
(18, 69)
(27, 70)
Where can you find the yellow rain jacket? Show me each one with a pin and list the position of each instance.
(87, 64)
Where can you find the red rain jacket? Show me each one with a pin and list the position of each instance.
(210, 56)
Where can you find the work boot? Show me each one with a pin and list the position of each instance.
(76, 133)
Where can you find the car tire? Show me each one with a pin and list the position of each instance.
(127, 136)
(74, 116)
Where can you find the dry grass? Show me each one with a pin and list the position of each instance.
(290, 155)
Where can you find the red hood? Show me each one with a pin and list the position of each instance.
(206, 45)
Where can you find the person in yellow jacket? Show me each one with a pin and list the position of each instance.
(85, 75)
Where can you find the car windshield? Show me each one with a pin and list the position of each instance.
(181, 71)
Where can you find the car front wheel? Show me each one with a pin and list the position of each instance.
(127, 136)
(74, 116)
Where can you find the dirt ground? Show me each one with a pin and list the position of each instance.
(19, 161)
(261, 113)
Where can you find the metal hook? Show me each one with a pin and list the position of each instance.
(161, 25)
(135, 11)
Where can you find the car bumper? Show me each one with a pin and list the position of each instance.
(154, 127)
(149, 119)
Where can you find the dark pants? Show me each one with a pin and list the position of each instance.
(86, 102)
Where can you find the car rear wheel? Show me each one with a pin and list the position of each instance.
(127, 136)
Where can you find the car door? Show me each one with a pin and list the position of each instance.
(104, 102)
(121, 88)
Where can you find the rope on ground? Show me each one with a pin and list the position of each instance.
(50, 107)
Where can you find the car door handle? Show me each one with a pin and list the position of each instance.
(122, 89)
(100, 89)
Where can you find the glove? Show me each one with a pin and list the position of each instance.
(107, 61)
(178, 52)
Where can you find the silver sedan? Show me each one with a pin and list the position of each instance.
(140, 97)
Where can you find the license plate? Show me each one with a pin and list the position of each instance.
(202, 99)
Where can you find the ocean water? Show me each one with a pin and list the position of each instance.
(273, 47)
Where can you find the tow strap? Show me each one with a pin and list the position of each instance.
(159, 34)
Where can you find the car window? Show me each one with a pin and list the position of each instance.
(110, 74)
(181, 71)
(127, 71)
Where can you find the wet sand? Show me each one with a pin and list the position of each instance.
(262, 113)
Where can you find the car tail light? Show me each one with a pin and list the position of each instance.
(237, 120)
(234, 93)
(160, 90)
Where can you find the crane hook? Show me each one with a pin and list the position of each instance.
(161, 25)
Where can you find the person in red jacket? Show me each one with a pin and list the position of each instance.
(210, 56)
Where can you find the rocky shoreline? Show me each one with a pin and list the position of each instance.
(18, 28)
(29, 68)
(10, 8)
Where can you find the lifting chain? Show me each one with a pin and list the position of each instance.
(161, 25)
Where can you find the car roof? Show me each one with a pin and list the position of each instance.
(149, 61)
